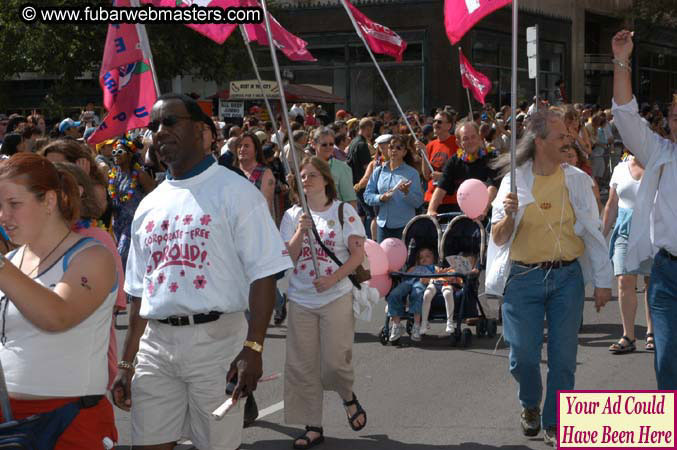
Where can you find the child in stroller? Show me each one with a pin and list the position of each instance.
(420, 292)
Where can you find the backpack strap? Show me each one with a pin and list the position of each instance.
(340, 213)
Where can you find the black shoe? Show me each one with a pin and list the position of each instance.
(550, 436)
(251, 411)
(531, 421)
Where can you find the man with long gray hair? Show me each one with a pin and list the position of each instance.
(546, 244)
(654, 220)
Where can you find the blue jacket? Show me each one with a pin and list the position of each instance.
(401, 208)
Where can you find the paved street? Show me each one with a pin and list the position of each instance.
(432, 396)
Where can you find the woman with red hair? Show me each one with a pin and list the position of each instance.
(57, 292)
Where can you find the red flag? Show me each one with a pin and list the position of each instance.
(381, 39)
(292, 46)
(127, 82)
(474, 80)
(217, 32)
(461, 15)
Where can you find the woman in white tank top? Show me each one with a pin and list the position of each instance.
(57, 292)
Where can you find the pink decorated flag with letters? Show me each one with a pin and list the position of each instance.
(472, 79)
(292, 46)
(381, 39)
(461, 15)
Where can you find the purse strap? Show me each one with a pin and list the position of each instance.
(329, 252)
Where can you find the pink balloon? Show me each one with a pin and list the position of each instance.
(378, 261)
(473, 198)
(382, 283)
(396, 252)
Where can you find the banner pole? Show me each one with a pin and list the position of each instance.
(145, 47)
(467, 91)
(385, 81)
(513, 96)
(280, 140)
(285, 119)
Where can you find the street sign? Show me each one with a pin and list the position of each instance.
(532, 52)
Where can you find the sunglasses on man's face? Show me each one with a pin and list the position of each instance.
(327, 144)
(438, 121)
(168, 121)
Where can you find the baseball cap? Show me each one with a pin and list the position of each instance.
(67, 124)
(352, 122)
(268, 150)
(427, 129)
(341, 113)
(384, 138)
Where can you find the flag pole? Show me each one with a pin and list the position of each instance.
(265, 98)
(385, 81)
(513, 96)
(145, 48)
(467, 91)
(285, 119)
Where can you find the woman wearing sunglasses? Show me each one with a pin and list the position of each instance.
(128, 184)
(323, 143)
(395, 188)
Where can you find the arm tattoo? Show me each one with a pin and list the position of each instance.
(84, 282)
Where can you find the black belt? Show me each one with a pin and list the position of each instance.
(179, 321)
(668, 254)
(546, 265)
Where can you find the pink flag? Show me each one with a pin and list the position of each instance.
(381, 39)
(461, 15)
(293, 47)
(217, 32)
(474, 80)
(127, 83)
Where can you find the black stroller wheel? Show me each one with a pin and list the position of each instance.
(492, 328)
(466, 338)
(383, 336)
(481, 328)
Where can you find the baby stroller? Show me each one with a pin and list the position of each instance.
(448, 234)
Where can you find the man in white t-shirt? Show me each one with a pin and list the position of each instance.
(200, 257)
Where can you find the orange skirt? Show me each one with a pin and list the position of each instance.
(87, 430)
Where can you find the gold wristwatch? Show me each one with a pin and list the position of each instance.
(254, 346)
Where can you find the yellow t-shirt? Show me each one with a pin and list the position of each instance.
(537, 242)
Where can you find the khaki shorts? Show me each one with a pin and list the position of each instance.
(180, 378)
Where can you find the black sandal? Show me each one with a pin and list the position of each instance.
(619, 348)
(309, 443)
(650, 343)
(360, 411)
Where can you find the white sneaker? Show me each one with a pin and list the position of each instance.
(450, 327)
(425, 328)
(395, 332)
(416, 333)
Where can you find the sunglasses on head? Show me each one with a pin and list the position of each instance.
(168, 121)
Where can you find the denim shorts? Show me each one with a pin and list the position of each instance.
(618, 260)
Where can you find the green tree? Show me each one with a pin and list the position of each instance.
(68, 50)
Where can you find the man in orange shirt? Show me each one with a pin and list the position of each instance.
(439, 151)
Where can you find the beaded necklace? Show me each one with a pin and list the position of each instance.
(112, 190)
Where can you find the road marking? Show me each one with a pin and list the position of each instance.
(270, 410)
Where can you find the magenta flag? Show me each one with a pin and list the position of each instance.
(381, 39)
(127, 82)
(461, 15)
(292, 46)
(476, 81)
(217, 32)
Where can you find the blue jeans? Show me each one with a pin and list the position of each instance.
(397, 298)
(384, 233)
(663, 308)
(531, 294)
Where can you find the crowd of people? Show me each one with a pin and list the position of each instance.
(190, 223)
